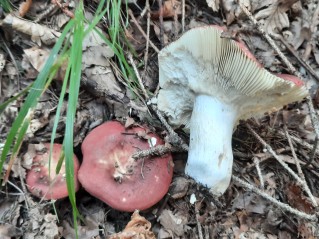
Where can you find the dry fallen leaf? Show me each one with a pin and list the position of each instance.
(297, 200)
(275, 17)
(137, 228)
(24, 7)
(173, 223)
(39, 33)
(169, 9)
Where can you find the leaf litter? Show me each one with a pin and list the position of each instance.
(240, 213)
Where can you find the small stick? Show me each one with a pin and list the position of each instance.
(138, 75)
(161, 21)
(199, 226)
(50, 9)
(283, 206)
(261, 179)
(183, 15)
(297, 178)
(302, 176)
(300, 141)
(158, 150)
(312, 155)
(142, 31)
(173, 136)
(301, 61)
(148, 26)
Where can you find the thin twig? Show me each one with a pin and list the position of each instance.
(284, 165)
(313, 154)
(173, 136)
(154, 151)
(283, 206)
(301, 61)
(199, 226)
(299, 141)
(261, 179)
(183, 15)
(161, 22)
(130, 57)
(301, 175)
(148, 26)
(49, 10)
(142, 31)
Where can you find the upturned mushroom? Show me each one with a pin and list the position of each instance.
(208, 84)
(109, 172)
(46, 184)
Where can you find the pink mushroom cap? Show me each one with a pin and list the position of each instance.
(292, 78)
(38, 181)
(109, 173)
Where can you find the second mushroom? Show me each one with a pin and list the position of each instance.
(208, 84)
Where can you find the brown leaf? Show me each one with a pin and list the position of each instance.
(297, 200)
(38, 33)
(24, 7)
(173, 223)
(137, 228)
(169, 9)
(275, 16)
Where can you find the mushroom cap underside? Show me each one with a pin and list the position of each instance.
(203, 63)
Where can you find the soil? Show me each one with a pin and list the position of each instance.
(274, 154)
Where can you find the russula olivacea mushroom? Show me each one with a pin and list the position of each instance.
(46, 184)
(208, 84)
(109, 172)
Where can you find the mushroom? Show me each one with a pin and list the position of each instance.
(208, 84)
(38, 181)
(109, 172)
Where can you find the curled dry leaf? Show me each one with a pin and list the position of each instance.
(137, 228)
(275, 16)
(24, 7)
(39, 33)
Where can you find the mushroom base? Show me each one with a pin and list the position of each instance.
(210, 156)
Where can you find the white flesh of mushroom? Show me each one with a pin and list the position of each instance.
(210, 157)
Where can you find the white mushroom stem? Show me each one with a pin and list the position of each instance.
(210, 156)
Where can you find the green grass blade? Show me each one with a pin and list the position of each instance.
(36, 90)
(9, 101)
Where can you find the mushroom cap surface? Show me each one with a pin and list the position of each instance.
(203, 63)
(109, 173)
(37, 178)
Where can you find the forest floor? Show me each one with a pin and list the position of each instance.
(274, 191)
